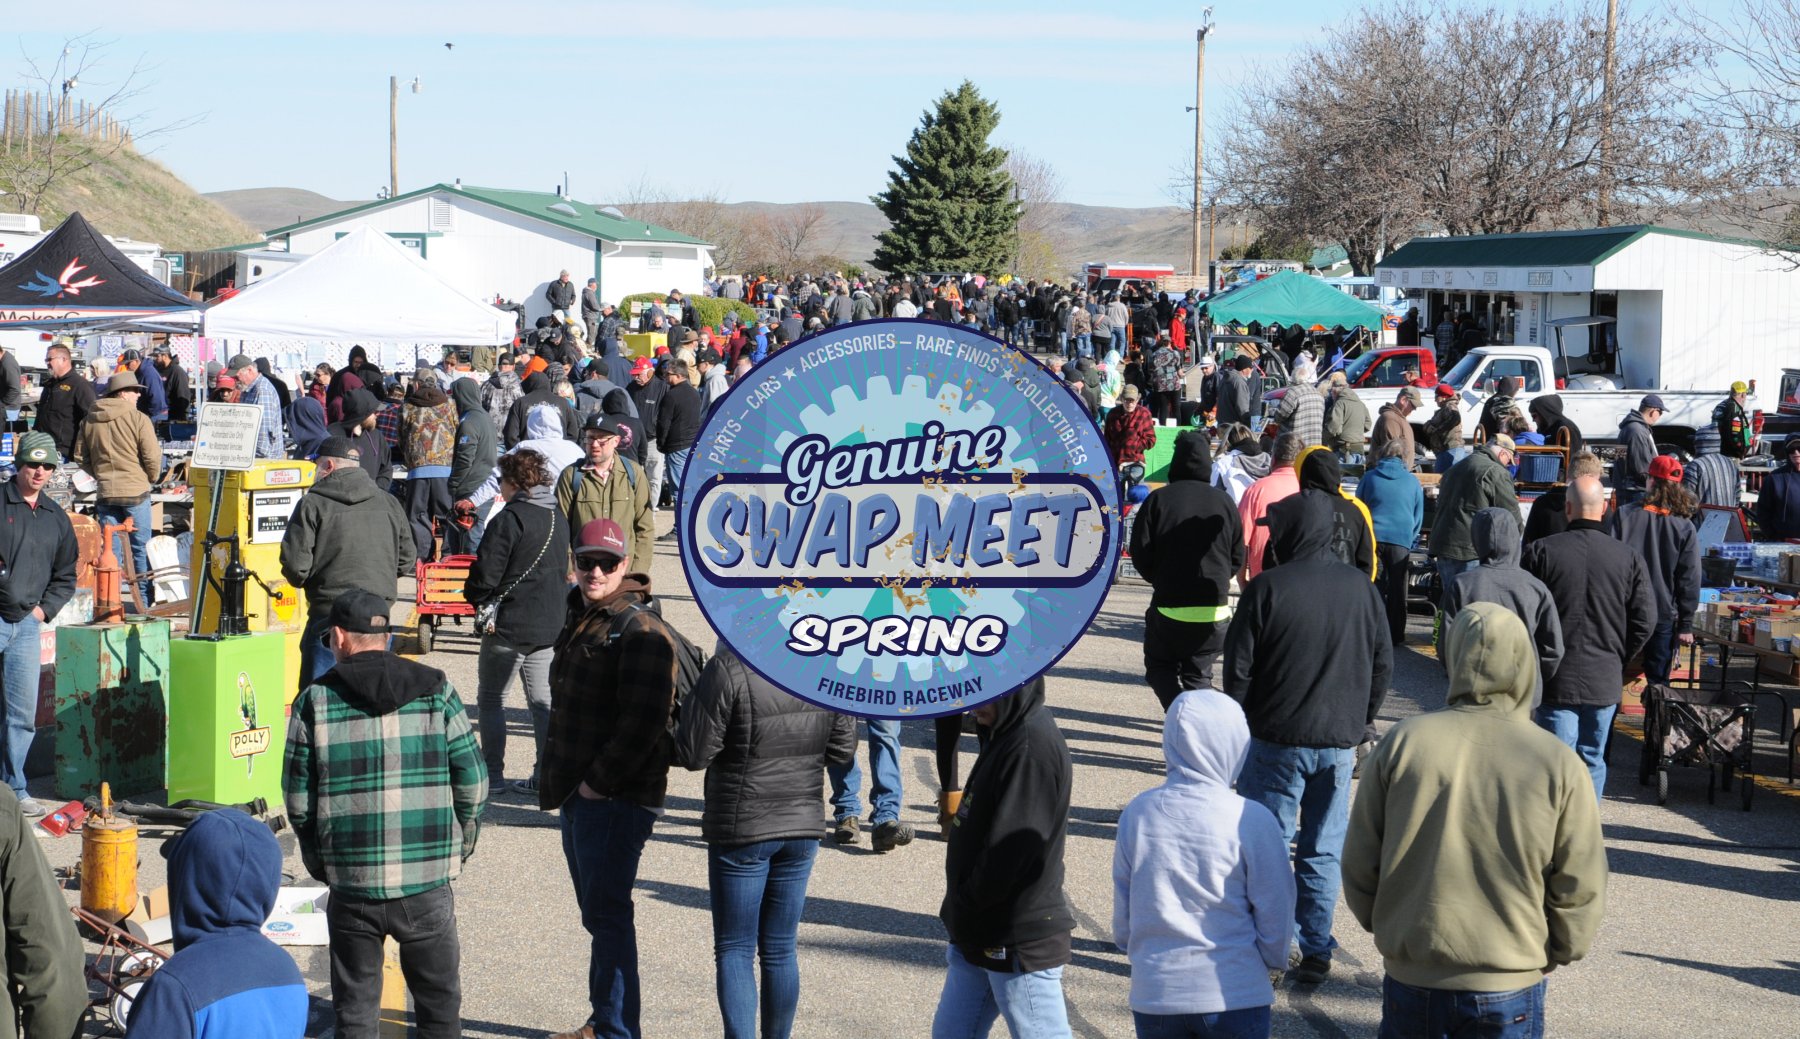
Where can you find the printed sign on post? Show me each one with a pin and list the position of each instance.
(226, 436)
(899, 519)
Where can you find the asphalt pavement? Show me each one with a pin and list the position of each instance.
(1699, 937)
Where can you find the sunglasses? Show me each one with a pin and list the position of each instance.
(605, 565)
(37, 465)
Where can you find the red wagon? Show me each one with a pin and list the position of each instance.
(440, 594)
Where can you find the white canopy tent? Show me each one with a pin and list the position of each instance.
(363, 288)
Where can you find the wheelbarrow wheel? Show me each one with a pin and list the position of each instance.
(1662, 786)
(427, 631)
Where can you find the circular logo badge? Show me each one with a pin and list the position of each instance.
(899, 519)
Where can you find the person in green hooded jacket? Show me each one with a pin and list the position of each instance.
(1474, 854)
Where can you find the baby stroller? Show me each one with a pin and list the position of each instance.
(1691, 726)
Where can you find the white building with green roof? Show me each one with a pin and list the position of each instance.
(492, 242)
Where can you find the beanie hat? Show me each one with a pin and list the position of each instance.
(38, 448)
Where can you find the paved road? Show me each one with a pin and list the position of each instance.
(1699, 938)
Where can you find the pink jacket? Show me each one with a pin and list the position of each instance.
(1281, 482)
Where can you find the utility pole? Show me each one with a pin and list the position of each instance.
(1606, 115)
(1199, 131)
(1212, 230)
(393, 136)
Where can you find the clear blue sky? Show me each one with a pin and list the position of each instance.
(785, 101)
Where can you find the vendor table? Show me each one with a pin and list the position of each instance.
(1785, 727)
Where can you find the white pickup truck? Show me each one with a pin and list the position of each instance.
(1594, 403)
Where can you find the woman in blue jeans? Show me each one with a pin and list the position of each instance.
(764, 753)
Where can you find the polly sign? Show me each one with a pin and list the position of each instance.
(899, 519)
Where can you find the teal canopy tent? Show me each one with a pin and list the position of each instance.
(1290, 297)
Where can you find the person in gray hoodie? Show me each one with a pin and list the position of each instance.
(477, 448)
(1499, 579)
(1203, 899)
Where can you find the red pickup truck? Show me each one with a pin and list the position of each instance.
(1388, 365)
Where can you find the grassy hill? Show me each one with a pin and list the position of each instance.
(268, 208)
(132, 196)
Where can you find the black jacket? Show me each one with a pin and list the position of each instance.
(538, 391)
(1003, 870)
(37, 547)
(178, 390)
(764, 752)
(1547, 415)
(1236, 401)
(1631, 469)
(678, 418)
(1605, 604)
(371, 446)
(12, 381)
(1778, 503)
(346, 533)
(61, 408)
(527, 542)
(648, 397)
(1352, 528)
(477, 447)
(1309, 651)
(1670, 548)
(1187, 539)
(561, 294)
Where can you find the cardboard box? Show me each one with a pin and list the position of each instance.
(1775, 626)
(298, 917)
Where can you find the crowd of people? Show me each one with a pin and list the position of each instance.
(550, 471)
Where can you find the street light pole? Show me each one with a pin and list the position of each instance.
(1604, 206)
(1199, 131)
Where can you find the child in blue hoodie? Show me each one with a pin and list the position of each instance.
(225, 979)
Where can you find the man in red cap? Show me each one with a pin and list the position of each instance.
(1443, 430)
(647, 393)
(606, 758)
(1661, 528)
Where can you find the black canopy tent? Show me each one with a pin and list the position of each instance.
(76, 278)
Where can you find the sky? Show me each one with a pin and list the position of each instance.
(777, 102)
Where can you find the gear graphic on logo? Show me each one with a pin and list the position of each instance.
(881, 414)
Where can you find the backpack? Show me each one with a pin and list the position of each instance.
(576, 480)
(690, 659)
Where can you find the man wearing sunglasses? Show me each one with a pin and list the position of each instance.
(37, 576)
(606, 758)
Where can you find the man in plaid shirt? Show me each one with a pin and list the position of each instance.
(271, 440)
(1129, 430)
(606, 759)
(385, 785)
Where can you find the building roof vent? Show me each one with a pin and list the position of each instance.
(564, 209)
(612, 211)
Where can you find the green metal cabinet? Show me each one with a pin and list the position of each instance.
(228, 718)
(112, 708)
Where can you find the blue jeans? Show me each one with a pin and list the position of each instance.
(1118, 341)
(1308, 790)
(1244, 1023)
(316, 657)
(676, 461)
(884, 768)
(1448, 571)
(758, 891)
(20, 666)
(603, 841)
(974, 997)
(1659, 652)
(1409, 1012)
(1583, 727)
(139, 515)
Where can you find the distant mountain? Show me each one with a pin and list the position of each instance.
(1153, 235)
(266, 208)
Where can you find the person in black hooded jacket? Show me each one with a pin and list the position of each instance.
(1547, 415)
(538, 390)
(1187, 540)
(1008, 920)
(1311, 680)
(1352, 528)
(358, 426)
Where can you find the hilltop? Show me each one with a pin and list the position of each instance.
(129, 195)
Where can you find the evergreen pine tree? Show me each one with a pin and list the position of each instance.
(949, 201)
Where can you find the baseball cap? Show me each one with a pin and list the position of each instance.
(361, 611)
(1445, 391)
(602, 537)
(1411, 393)
(642, 365)
(1504, 443)
(239, 362)
(1740, 387)
(1651, 400)
(1131, 393)
(161, 350)
(1665, 467)
(130, 355)
(600, 422)
(38, 449)
(339, 447)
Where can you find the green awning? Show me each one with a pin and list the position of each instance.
(1290, 297)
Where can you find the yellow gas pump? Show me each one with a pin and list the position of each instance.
(254, 505)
